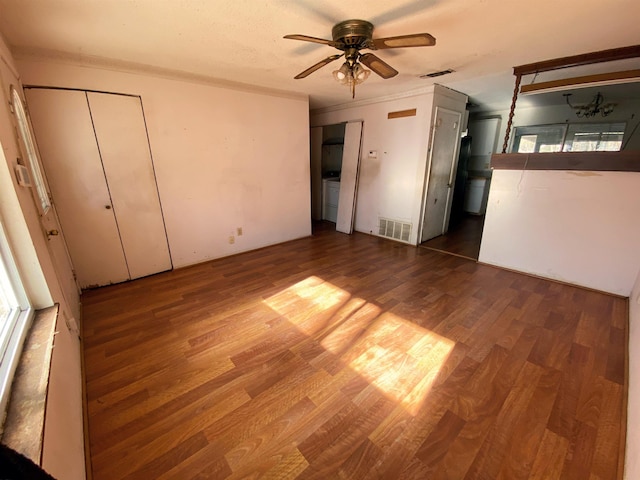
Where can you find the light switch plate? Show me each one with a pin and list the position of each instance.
(22, 175)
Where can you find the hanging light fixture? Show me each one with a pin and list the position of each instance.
(595, 107)
(351, 73)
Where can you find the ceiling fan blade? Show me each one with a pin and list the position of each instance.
(306, 38)
(317, 66)
(415, 40)
(381, 68)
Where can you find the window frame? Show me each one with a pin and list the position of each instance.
(529, 130)
(14, 328)
(28, 143)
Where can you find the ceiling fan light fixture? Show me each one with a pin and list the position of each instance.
(350, 75)
(342, 74)
(351, 36)
(360, 74)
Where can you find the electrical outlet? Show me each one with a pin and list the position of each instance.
(232, 239)
(239, 230)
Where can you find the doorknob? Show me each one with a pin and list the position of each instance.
(53, 233)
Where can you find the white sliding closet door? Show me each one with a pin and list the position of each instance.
(122, 138)
(67, 144)
(95, 151)
(349, 177)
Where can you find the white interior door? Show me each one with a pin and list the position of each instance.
(66, 140)
(62, 263)
(70, 301)
(445, 141)
(124, 148)
(316, 173)
(349, 177)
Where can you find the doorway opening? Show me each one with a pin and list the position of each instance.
(335, 164)
(471, 182)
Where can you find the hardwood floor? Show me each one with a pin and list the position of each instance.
(462, 238)
(353, 357)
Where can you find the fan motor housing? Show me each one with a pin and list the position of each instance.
(352, 33)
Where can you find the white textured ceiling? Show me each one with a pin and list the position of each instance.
(241, 40)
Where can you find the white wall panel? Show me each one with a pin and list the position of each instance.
(576, 227)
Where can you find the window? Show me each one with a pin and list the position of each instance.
(543, 138)
(15, 318)
(26, 135)
(16, 313)
(527, 143)
(597, 137)
(572, 137)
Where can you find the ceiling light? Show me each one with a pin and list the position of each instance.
(351, 74)
(342, 73)
(596, 106)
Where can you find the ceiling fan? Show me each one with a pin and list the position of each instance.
(351, 36)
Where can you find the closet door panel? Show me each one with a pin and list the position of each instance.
(349, 177)
(67, 144)
(122, 138)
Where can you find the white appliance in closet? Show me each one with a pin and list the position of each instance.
(96, 156)
(330, 199)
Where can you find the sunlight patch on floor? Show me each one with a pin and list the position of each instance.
(402, 359)
(398, 357)
(309, 304)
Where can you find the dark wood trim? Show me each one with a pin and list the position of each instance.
(610, 55)
(567, 82)
(512, 112)
(585, 161)
(402, 113)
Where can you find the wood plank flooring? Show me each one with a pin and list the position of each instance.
(353, 357)
(462, 238)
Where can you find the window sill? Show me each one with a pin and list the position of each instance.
(24, 425)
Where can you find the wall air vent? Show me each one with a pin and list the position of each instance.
(437, 74)
(394, 229)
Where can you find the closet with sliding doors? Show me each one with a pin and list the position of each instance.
(96, 156)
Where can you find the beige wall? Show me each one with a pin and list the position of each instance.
(224, 158)
(576, 227)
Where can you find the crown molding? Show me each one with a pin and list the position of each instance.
(433, 88)
(124, 66)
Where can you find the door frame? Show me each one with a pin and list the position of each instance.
(347, 213)
(452, 174)
(49, 221)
